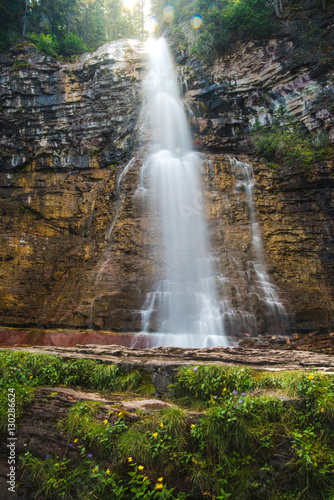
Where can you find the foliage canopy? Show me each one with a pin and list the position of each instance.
(67, 27)
(223, 22)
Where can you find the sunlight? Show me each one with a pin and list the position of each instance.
(150, 44)
(129, 4)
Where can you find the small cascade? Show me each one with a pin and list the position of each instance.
(182, 309)
(101, 274)
(264, 289)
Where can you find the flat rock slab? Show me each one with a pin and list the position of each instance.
(72, 394)
(145, 404)
(169, 358)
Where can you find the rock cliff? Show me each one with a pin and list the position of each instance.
(76, 240)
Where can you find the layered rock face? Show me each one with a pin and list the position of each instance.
(68, 133)
(295, 206)
(76, 239)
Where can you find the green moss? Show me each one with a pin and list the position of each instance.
(287, 142)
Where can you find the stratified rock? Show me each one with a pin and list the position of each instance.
(75, 234)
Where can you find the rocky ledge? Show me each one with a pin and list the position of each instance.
(163, 362)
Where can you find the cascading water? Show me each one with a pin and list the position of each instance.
(266, 291)
(182, 309)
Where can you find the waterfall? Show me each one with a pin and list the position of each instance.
(266, 291)
(182, 309)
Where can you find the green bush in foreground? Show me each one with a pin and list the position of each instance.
(231, 435)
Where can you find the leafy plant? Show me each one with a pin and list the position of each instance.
(45, 43)
(222, 23)
(80, 423)
(58, 477)
(289, 142)
(211, 384)
(72, 44)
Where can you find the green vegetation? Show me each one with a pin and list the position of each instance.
(228, 433)
(288, 142)
(67, 27)
(223, 23)
(58, 478)
(33, 370)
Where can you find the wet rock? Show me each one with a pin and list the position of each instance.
(76, 241)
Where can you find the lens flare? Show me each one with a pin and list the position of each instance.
(168, 12)
(212, 9)
(196, 22)
(152, 24)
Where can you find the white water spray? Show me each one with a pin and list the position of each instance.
(267, 293)
(182, 310)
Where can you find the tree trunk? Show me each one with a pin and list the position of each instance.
(277, 9)
(25, 19)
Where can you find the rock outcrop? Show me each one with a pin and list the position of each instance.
(75, 238)
(295, 206)
(69, 131)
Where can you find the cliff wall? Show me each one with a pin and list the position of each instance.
(75, 237)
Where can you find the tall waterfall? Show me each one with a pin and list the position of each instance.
(182, 309)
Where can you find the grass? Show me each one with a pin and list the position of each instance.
(39, 369)
(245, 443)
(81, 424)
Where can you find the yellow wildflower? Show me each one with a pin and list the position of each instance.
(322, 410)
(76, 440)
(145, 478)
(311, 377)
(192, 426)
(161, 425)
(159, 486)
(160, 479)
(140, 467)
(31, 376)
(105, 421)
(155, 434)
(94, 470)
(224, 389)
(107, 471)
(161, 440)
(130, 459)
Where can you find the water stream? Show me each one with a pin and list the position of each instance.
(182, 309)
(265, 290)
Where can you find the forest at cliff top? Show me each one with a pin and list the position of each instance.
(66, 28)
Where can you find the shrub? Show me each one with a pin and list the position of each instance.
(72, 44)
(290, 142)
(45, 43)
